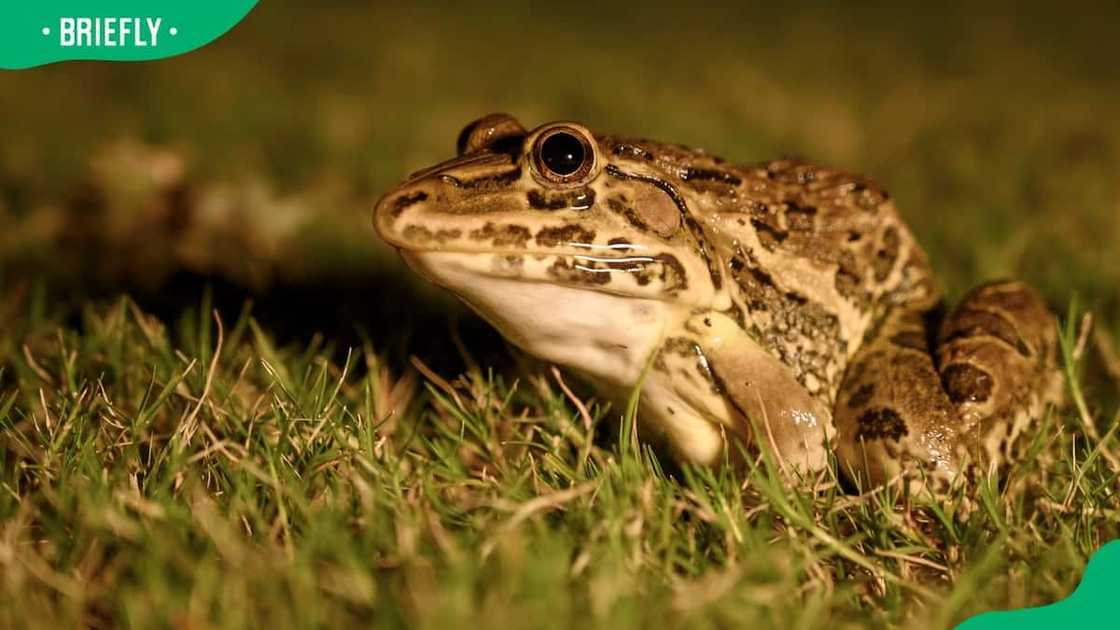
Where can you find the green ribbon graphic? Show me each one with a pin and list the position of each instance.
(1094, 604)
(37, 32)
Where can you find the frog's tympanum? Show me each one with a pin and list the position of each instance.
(782, 305)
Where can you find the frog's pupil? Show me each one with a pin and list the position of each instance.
(562, 153)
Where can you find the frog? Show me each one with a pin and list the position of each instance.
(779, 310)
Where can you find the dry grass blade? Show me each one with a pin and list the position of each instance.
(584, 414)
(189, 425)
(437, 380)
(523, 511)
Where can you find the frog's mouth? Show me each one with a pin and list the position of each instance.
(660, 276)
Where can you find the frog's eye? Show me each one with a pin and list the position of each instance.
(563, 155)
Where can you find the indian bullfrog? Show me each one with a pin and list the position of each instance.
(782, 305)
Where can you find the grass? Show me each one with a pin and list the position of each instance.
(308, 442)
(202, 476)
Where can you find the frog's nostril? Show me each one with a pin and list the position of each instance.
(497, 132)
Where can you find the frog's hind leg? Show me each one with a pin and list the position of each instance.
(892, 414)
(900, 409)
(997, 355)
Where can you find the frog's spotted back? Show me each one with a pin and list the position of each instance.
(765, 298)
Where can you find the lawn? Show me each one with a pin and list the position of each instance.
(224, 403)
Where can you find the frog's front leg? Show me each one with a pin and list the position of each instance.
(900, 410)
(751, 396)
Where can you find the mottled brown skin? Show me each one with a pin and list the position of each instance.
(761, 304)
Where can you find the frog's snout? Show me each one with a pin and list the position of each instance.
(451, 182)
(392, 205)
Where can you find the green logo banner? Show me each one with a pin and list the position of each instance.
(37, 32)
(1094, 604)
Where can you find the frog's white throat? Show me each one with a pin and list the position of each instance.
(606, 337)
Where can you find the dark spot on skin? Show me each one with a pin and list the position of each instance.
(800, 217)
(687, 348)
(538, 201)
(757, 286)
(404, 201)
(417, 234)
(1010, 296)
(673, 275)
(966, 383)
(670, 410)
(847, 284)
(680, 346)
(702, 248)
(620, 244)
(880, 423)
(796, 299)
(422, 235)
(708, 322)
(580, 199)
(768, 235)
(869, 198)
(760, 210)
(502, 235)
(709, 175)
(513, 261)
(580, 273)
(911, 339)
(565, 235)
(673, 345)
(976, 323)
(861, 396)
(887, 255)
(628, 266)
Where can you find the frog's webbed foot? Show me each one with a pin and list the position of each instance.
(900, 411)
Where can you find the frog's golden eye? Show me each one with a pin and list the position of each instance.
(564, 155)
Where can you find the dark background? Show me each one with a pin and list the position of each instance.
(251, 165)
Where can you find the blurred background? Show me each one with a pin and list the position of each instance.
(251, 166)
